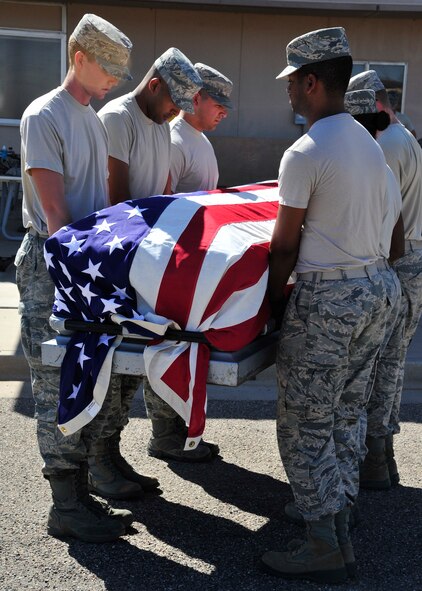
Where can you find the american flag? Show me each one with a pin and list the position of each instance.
(197, 262)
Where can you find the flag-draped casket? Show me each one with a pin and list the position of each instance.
(198, 262)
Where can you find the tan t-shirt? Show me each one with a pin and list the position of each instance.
(337, 173)
(60, 134)
(404, 157)
(193, 163)
(139, 142)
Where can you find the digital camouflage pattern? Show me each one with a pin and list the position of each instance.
(409, 272)
(329, 341)
(382, 389)
(317, 46)
(110, 47)
(360, 102)
(155, 406)
(36, 291)
(182, 79)
(218, 86)
(368, 80)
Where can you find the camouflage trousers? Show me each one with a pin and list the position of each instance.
(329, 341)
(155, 406)
(381, 401)
(409, 272)
(36, 291)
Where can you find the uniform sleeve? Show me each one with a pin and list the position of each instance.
(43, 145)
(177, 166)
(296, 179)
(119, 136)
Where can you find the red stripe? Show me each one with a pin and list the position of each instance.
(178, 284)
(198, 412)
(177, 376)
(242, 274)
(233, 338)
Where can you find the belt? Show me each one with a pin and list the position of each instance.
(343, 274)
(411, 245)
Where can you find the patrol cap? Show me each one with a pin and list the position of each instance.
(218, 86)
(317, 46)
(180, 76)
(360, 102)
(366, 80)
(109, 46)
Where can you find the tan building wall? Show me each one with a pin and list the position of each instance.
(250, 48)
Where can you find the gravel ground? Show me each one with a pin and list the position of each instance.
(213, 521)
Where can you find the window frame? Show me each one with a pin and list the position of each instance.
(368, 65)
(39, 34)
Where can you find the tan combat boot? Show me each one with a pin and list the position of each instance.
(318, 559)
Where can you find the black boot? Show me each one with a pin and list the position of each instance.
(391, 462)
(69, 516)
(166, 443)
(341, 522)
(148, 483)
(183, 430)
(104, 478)
(373, 473)
(99, 506)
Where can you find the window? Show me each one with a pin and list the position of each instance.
(392, 75)
(31, 64)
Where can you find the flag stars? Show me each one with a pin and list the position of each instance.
(87, 293)
(48, 256)
(82, 357)
(65, 271)
(135, 211)
(120, 292)
(93, 270)
(115, 243)
(75, 391)
(60, 305)
(110, 306)
(105, 339)
(74, 245)
(104, 226)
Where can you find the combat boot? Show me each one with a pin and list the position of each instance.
(183, 430)
(165, 443)
(317, 559)
(341, 522)
(104, 478)
(68, 516)
(99, 506)
(373, 473)
(148, 483)
(344, 542)
(293, 515)
(391, 462)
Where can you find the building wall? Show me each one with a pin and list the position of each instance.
(250, 49)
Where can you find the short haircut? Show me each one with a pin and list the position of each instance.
(72, 47)
(334, 73)
(374, 122)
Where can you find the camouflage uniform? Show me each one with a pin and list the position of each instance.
(36, 291)
(381, 390)
(409, 271)
(330, 338)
